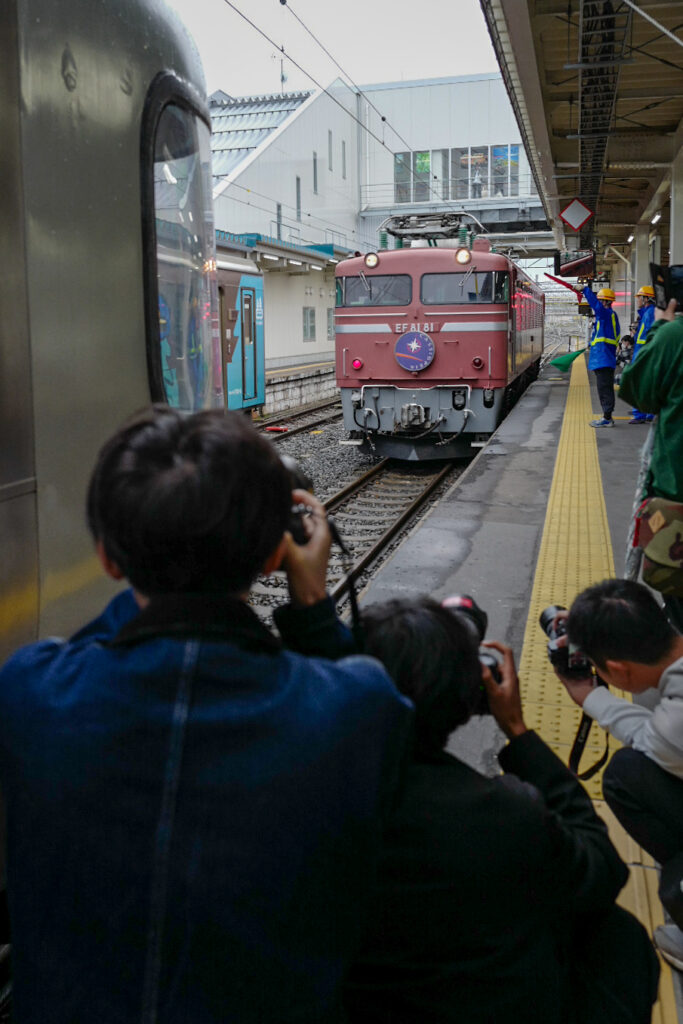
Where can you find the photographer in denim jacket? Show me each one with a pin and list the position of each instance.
(194, 808)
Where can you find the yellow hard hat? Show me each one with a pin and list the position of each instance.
(647, 291)
(607, 294)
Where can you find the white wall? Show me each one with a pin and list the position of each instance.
(330, 214)
(445, 113)
(285, 296)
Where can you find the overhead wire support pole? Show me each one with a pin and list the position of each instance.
(660, 28)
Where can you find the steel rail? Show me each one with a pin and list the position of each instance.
(336, 500)
(306, 426)
(273, 421)
(378, 547)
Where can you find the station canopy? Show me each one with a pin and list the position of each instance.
(597, 89)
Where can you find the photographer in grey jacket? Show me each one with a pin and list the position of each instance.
(622, 630)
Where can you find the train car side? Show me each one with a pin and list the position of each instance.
(108, 273)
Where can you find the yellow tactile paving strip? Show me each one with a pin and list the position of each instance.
(575, 552)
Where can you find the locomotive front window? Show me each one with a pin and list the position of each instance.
(183, 341)
(470, 286)
(375, 290)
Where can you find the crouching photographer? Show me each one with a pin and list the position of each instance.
(495, 896)
(621, 629)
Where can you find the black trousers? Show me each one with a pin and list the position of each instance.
(605, 381)
(648, 802)
(612, 970)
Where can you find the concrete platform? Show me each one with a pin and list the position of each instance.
(485, 535)
(541, 513)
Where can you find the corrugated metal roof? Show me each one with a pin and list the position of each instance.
(241, 124)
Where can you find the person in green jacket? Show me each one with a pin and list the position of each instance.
(654, 384)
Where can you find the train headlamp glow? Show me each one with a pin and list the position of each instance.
(371, 260)
(463, 255)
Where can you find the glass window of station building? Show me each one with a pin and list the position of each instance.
(466, 172)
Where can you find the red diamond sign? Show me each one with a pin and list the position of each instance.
(576, 214)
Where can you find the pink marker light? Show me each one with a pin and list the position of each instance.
(357, 364)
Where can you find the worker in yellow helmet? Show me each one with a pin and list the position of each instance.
(602, 357)
(645, 301)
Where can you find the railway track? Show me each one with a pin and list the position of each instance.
(281, 427)
(368, 514)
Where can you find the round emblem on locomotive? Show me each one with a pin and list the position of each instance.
(414, 350)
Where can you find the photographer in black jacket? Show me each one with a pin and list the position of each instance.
(496, 896)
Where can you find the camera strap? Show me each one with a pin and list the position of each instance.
(356, 627)
(580, 742)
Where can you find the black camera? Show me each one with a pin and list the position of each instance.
(476, 620)
(668, 284)
(300, 481)
(565, 659)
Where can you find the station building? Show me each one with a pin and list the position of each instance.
(303, 179)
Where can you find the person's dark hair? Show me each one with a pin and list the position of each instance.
(188, 503)
(432, 657)
(619, 620)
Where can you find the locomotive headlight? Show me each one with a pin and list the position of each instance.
(462, 255)
(357, 364)
(371, 260)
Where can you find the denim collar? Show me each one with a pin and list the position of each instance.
(214, 617)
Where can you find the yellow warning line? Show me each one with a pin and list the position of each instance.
(576, 551)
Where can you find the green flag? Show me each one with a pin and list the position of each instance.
(564, 362)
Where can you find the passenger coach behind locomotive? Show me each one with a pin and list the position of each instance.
(431, 344)
(107, 282)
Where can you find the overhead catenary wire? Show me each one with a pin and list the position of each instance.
(334, 99)
(652, 21)
(265, 209)
(288, 206)
(367, 99)
(345, 74)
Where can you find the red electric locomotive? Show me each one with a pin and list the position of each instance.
(431, 344)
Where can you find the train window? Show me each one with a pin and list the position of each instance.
(470, 286)
(501, 291)
(375, 290)
(183, 340)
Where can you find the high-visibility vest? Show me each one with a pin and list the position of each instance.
(644, 325)
(603, 338)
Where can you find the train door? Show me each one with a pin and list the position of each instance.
(227, 315)
(512, 336)
(249, 357)
(240, 292)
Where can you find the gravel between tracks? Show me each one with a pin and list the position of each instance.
(331, 466)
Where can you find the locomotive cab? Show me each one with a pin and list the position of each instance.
(430, 344)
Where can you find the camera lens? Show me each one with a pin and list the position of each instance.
(547, 617)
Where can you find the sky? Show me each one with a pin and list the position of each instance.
(372, 40)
